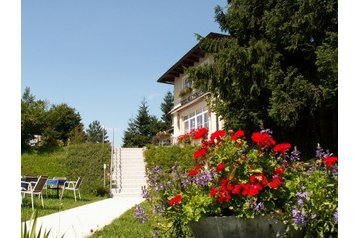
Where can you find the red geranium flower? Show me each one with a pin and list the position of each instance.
(330, 161)
(239, 133)
(175, 200)
(279, 170)
(194, 171)
(213, 192)
(200, 133)
(282, 148)
(251, 189)
(275, 182)
(200, 153)
(263, 140)
(217, 135)
(220, 167)
(258, 178)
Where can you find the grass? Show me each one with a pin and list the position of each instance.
(126, 226)
(53, 204)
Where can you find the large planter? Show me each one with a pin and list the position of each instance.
(233, 227)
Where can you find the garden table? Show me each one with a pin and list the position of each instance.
(55, 184)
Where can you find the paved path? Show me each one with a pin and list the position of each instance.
(82, 221)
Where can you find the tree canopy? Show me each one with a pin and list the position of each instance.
(166, 106)
(277, 69)
(96, 133)
(142, 128)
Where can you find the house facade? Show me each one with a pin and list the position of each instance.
(190, 110)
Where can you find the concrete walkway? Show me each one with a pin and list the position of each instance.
(84, 220)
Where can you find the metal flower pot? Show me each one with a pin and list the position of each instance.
(233, 227)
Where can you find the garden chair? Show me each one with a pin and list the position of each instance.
(73, 186)
(35, 189)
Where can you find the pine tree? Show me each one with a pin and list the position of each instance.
(141, 129)
(166, 106)
(96, 133)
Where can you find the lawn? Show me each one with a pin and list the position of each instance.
(53, 204)
(126, 226)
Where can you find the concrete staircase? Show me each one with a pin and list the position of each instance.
(128, 172)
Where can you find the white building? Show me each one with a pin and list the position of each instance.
(190, 109)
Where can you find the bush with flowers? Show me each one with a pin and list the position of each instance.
(232, 175)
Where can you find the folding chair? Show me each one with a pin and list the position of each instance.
(73, 186)
(35, 189)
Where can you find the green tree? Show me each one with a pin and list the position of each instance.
(141, 129)
(166, 106)
(96, 133)
(277, 69)
(78, 135)
(61, 120)
(33, 113)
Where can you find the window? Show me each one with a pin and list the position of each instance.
(196, 120)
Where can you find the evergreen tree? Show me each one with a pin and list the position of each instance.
(141, 129)
(166, 106)
(277, 69)
(96, 133)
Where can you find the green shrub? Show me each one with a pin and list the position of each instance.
(167, 156)
(85, 160)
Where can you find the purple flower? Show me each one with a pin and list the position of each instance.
(258, 207)
(302, 195)
(335, 216)
(268, 131)
(295, 155)
(299, 217)
(159, 209)
(140, 214)
(145, 193)
(204, 178)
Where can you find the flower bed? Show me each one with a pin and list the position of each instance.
(236, 176)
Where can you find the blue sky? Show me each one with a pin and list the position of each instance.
(104, 57)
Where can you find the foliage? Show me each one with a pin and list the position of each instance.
(61, 120)
(233, 176)
(166, 106)
(126, 226)
(32, 117)
(142, 128)
(276, 69)
(30, 232)
(96, 134)
(168, 156)
(54, 125)
(77, 135)
(85, 160)
(313, 206)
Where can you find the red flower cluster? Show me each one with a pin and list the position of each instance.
(200, 133)
(196, 134)
(195, 171)
(183, 137)
(263, 140)
(282, 148)
(220, 167)
(330, 161)
(200, 153)
(175, 200)
(217, 135)
(238, 134)
(275, 182)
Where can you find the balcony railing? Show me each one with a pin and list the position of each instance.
(190, 97)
